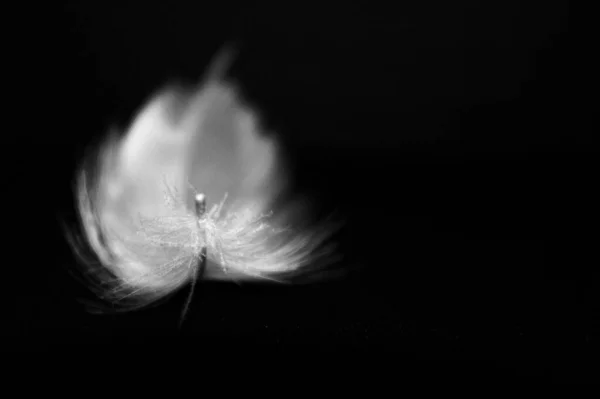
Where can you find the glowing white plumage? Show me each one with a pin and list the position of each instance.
(136, 202)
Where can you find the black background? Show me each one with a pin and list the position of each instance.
(449, 135)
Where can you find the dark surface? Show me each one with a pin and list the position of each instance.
(451, 140)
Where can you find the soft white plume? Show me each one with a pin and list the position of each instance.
(135, 199)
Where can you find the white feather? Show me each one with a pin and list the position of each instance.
(136, 207)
